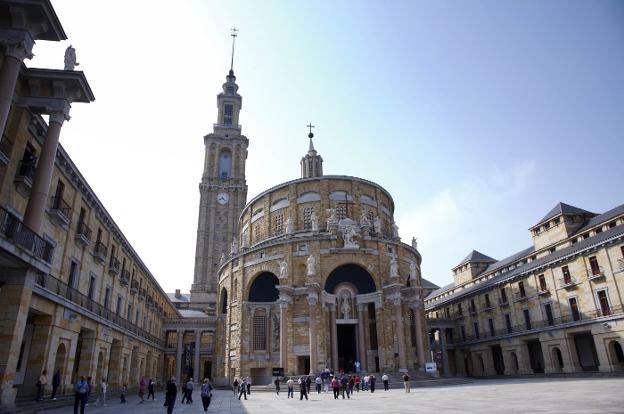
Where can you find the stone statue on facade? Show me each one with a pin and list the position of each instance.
(345, 306)
(245, 239)
(365, 223)
(395, 231)
(377, 225)
(234, 248)
(349, 232)
(311, 266)
(314, 222)
(412, 271)
(394, 267)
(70, 58)
(290, 227)
(332, 220)
(223, 258)
(414, 243)
(283, 269)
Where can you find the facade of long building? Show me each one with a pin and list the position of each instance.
(555, 307)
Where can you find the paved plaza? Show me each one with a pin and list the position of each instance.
(576, 395)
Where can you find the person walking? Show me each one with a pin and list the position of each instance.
(235, 386)
(303, 389)
(184, 394)
(351, 384)
(406, 382)
(56, 382)
(366, 383)
(243, 389)
(319, 384)
(277, 385)
(206, 393)
(189, 391)
(308, 382)
(385, 379)
(41, 383)
(335, 387)
(372, 381)
(343, 387)
(248, 382)
(89, 388)
(142, 389)
(171, 394)
(291, 385)
(80, 395)
(358, 381)
(123, 393)
(102, 394)
(150, 389)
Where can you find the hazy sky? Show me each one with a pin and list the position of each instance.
(477, 116)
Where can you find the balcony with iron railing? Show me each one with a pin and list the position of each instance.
(543, 291)
(60, 212)
(125, 278)
(520, 296)
(503, 302)
(596, 273)
(15, 232)
(24, 176)
(99, 252)
(141, 295)
(59, 288)
(114, 266)
(568, 282)
(83, 235)
(134, 287)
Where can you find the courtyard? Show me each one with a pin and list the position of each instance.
(542, 395)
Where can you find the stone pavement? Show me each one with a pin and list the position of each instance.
(508, 396)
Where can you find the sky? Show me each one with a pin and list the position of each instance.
(477, 116)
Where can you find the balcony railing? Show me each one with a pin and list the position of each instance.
(60, 211)
(543, 291)
(520, 296)
(596, 273)
(567, 282)
(14, 230)
(503, 302)
(24, 176)
(114, 266)
(57, 287)
(83, 235)
(472, 310)
(99, 252)
(125, 278)
(134, 287)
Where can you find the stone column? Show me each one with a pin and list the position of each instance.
(400, 331)
(445, 364)
(196, 375)
(334, 336)
(15, 297)
(312, 302)
(14, 55)
(284, 335)
(33, 217)
(420, 345)
(179, 355)
(362, 345)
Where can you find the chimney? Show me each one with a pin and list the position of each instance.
(177, 294)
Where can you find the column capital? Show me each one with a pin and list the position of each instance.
(60, 115)
(19, 49)
(312, 298)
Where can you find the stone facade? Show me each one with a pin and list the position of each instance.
(555, 307)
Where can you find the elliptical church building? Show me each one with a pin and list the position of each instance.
(309, 274)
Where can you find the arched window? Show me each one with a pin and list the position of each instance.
(225, 164)
(263, 288)
(224, 299)
(259, 330)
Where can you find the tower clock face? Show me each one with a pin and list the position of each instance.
(223, 198)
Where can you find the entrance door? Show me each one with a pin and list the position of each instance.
(499, 362)
(347, 347)
(536, 356)
(303, 365)
(586, 351)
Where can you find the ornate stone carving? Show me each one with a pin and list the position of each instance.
(365, 223)
(311, 266)
(346, 305)
(349, 230)
(19, 50)
(314, 222)
(223, 258)
(290, 227)
(312, 298)
(283, 269)
(395, 231)
(377, 226)
(60, 115)
(332, 220)
(70, 58)
(234, 248)
(414, 243)
(412, 271)
(394, 267)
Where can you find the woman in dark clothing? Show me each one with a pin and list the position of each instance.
(170, 396)
(150, 389)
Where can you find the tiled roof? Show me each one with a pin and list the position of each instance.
(184, 297)
(604, 217)
(615, 232)
(476, 257)
(563, 208)
(425, 284)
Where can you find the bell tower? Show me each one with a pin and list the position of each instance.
(223, 191)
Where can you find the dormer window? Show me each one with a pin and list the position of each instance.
(228, 113)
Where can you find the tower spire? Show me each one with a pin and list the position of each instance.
(234, 35)
(311, 163)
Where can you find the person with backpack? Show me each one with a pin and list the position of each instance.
(406, 382)
(206, 393)
(235, 386)
(80, 395)
(171, 394)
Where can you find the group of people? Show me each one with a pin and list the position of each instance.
(84, 387)
(242, 387)
(171, 393)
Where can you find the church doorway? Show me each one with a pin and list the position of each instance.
(347, 349)
(303, 365)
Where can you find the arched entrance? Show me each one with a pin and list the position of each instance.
(262, 301)
(617, 355)
(348, 345)
(59, 361)
(99, 375)
(557, 360)
(514, 363)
